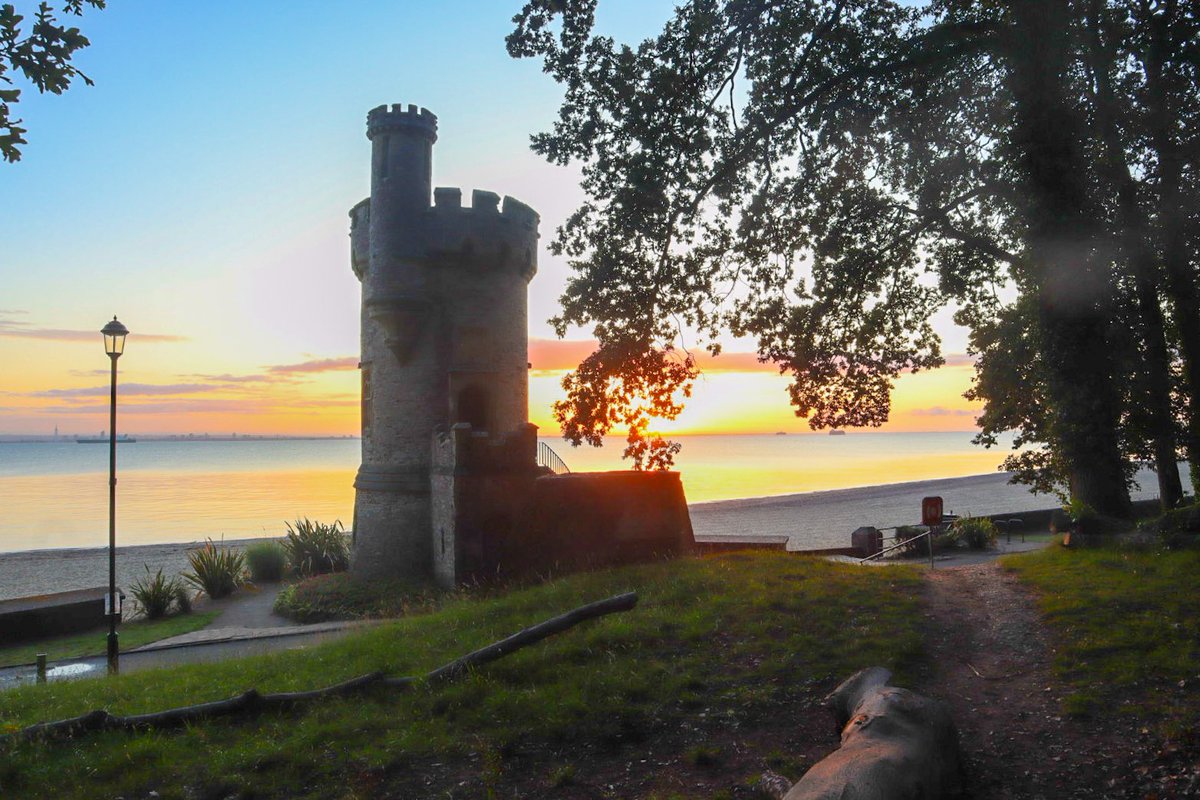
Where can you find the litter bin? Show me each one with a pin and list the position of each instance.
(868, 541)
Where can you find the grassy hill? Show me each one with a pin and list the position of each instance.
(715, 646)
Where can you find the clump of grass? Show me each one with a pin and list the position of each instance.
(216, 571)
(704, 756)
(267, 561)
(155, 594)
(977, 533)
(314, 548)
(790, 765)
(562, 776)
(343, 596)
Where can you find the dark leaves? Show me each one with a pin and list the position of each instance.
(42, 55)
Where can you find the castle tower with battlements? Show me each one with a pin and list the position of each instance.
(444, 352)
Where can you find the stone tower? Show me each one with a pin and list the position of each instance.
(444, 336)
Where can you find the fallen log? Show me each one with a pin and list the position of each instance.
(896, 745)
(252, 702)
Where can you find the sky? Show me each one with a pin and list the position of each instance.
(199, 191)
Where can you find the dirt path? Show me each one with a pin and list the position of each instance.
(993, 667)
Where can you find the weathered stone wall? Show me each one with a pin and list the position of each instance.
(482, 483)
(599, 518)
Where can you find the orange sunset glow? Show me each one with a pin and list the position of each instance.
(57, 380)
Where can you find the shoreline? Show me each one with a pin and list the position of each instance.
(751, 499)
(810, 520)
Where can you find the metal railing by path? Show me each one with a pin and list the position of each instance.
(927, 536)
(546, 457)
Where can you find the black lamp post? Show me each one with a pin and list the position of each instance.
(114, 344)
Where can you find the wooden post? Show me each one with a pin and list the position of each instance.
(41, 667)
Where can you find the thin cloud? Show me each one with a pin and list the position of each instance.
(734, 362)
(317, 365)
(21, 329)
(550, 355)
(557, 355)
(255, 378)
(128, 389)
(942, 411)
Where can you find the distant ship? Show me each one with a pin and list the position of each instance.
(124, 438)
(836, 432)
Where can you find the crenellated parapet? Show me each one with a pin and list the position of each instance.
(484, 235)
(400, 118)
(489, 234)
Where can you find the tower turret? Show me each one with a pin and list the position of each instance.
(402, 142)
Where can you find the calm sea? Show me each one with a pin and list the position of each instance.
(56, 494)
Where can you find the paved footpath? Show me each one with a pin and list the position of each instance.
(246, 626)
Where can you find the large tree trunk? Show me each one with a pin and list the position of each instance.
(1073, 284)
(1137, 249)
(1181, 279)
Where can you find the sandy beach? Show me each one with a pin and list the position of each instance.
(825, 519)
(35, 572)
(811, 520)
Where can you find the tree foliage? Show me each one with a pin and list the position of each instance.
(40, 51)
(707, 212)
(822, 176)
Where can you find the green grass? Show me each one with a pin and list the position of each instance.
(730, 637)
(339, 595)
(132, 634)
(1124, 622)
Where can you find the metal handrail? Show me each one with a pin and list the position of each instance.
(887, 550)
(549, 459)
(928, 534)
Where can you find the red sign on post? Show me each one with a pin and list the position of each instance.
(931, 511)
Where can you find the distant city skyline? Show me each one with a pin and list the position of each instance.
(200, 190)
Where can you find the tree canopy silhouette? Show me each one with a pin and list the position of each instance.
(823, 176)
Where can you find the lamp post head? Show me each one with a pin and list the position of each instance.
(114, 338)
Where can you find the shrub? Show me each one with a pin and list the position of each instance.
(183, 600)
(977, 533)
(906, 535)
(1176, 528)
(944, 541)
(266, 561)
(156, 593)
(314, 548)
(216, 571)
